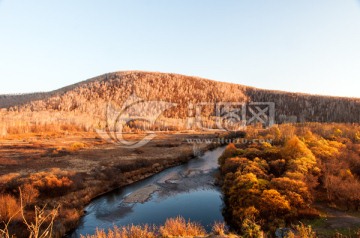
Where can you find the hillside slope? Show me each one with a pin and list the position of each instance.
(91, 97)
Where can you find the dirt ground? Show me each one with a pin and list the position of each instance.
(333, 221)
(85, 151)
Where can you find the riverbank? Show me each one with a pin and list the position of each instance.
(173, 227)
(186, 190)
(90, 166)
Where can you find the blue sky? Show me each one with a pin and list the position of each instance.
(303, 46)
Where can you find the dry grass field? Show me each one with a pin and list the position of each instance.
(71, 170)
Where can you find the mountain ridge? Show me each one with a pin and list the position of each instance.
(91, 96)
(158, 72)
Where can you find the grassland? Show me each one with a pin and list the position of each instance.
(71, 170)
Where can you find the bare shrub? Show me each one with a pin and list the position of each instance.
(179, 227)
(173, 227)
(9, 207)
(42, 226)
(29, 193)
(219, 228)
(303, 232)
(39, 226)
(51, 183)
(130, 231)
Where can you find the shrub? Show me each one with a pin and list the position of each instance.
(229, 152)
(130, 231)
(250, 229)
(9, 208)
(173, 227)
(42, 226)
(76, 146)
(231, 165)
(7, 178)
(219, 228)
(14, 215)
(303, 232)
(299, 157)
(50, 183)
(179, 227)
(29, 193)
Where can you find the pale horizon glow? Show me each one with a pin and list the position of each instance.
(298, 46)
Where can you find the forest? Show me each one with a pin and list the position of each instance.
(307, 166)
(83, 106)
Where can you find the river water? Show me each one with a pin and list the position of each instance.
(186, 190)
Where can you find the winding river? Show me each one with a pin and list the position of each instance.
(186, 190)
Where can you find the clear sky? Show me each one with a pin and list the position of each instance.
(293, 45)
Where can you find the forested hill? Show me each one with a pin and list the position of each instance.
(92, 95)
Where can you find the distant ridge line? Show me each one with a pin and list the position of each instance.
(90, 97)
(21, 94)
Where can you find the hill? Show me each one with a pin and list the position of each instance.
(91, 97)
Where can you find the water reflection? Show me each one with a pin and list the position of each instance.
(187, 190)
